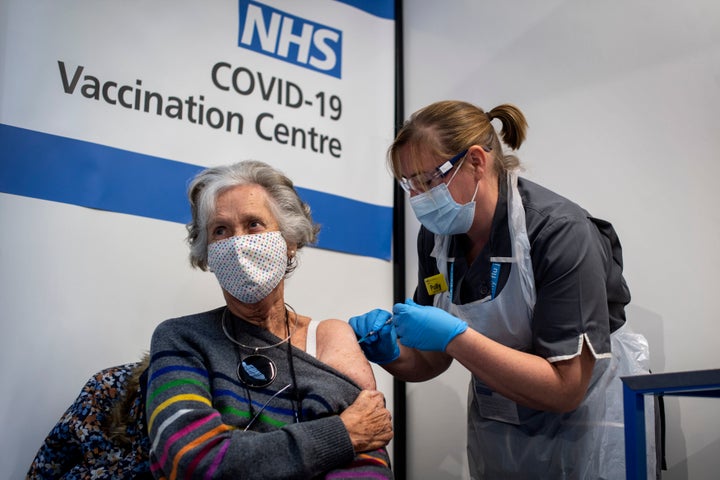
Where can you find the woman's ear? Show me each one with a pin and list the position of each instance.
(479, 159)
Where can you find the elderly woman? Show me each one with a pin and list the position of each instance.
(253, 389)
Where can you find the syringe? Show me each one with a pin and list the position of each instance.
(373, 332)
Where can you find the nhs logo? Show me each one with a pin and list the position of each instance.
(296, 40)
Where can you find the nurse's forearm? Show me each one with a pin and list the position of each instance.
(417, 366)
(526, 379)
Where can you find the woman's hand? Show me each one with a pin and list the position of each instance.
(378, 338)
(424, 327)
(368, 422)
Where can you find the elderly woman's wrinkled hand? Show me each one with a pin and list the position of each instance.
(368, 422)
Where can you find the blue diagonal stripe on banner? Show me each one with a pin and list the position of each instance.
(60, 169)
(379, 8)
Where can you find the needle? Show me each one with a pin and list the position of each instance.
(373, 332)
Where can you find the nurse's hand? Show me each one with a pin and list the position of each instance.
(424, 327)
(377, 336)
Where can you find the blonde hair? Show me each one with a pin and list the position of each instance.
(448, 127)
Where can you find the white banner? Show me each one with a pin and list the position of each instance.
(116, 105)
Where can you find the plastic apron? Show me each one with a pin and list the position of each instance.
(509, 441)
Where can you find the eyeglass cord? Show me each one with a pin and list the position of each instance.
(296, 404)
(295, 399)
(255, 417)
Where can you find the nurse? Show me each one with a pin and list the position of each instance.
(521, 286)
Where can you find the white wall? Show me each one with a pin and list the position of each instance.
(622, 98)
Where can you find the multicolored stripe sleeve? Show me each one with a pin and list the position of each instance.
(373, 465)
(186, 432)
(196, 416)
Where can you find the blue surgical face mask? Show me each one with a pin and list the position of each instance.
(438, 211)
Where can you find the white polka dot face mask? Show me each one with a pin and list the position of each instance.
(249, 267)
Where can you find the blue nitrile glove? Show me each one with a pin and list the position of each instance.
(424, 327)
(377, 336)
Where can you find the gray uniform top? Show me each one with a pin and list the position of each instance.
(577, 265)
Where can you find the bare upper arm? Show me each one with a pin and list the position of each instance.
(337, 346)
(575, 375)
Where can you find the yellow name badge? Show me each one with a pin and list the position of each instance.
(436, 284)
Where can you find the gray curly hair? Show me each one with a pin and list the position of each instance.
(292, 214)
